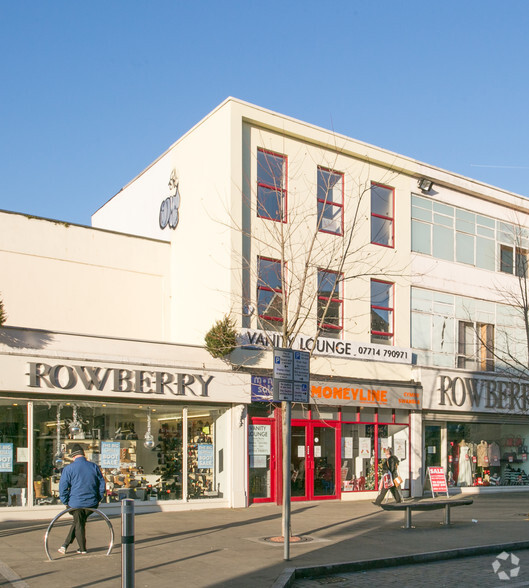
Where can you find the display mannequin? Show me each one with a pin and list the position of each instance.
(465, 471)
(482, 454)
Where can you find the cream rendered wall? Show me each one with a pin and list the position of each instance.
(391, 264)
(80, 280)
(201, 259)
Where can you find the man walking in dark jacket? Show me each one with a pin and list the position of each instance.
(81, 487)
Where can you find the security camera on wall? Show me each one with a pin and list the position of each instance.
(249, 309)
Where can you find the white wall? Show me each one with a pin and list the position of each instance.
(200, 261)
(76, 279)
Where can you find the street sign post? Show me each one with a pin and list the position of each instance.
(291, 380)
(291, 375)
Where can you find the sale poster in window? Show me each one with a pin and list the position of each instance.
(110, 454)
(6, 457)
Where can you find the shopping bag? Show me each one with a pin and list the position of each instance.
(397, 480)
(387, 480)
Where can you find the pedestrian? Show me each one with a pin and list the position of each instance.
(389, 465)
(81, 487)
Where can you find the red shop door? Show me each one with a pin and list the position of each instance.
(262, 460)
(315, 461)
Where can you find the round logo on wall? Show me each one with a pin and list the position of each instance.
(169, 207)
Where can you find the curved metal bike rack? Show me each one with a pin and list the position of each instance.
(99, 512)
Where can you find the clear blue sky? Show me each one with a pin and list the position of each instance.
(93, 91)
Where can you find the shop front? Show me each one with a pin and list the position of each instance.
(477, 428)
(337, 441)
(163, 434)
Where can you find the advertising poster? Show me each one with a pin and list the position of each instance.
(400, 448)
(110, 455)
(258, 461)
(347, 447)
(6, 457)
(364, 446)
(384, 444)
(205, 456)
(259, 439)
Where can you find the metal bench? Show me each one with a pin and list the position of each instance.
(435, 504)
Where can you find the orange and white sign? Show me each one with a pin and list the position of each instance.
(365, 395)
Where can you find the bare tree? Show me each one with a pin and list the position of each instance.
(312, 238)
(511, 345)
(308, 250)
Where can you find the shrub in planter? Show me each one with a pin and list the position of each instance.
(221, 339)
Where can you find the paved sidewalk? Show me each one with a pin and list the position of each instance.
(469, 571)
(225, 547)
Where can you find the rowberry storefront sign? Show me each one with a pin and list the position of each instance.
(93, 380)
(462, 392)
(68, 377)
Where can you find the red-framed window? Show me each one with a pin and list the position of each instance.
(330, 303)
(330, 199)
(382, 312)
(269, 292)
(382, 215)
(271, 185)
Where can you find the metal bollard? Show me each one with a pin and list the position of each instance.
(127, 543)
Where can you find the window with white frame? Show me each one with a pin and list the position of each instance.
(475, 346)
(330, 303)
(382, 218)
(271, 185)
(513, 260)
(382, 309)
(269, 293)
(330, 199)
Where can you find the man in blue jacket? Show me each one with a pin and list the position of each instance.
(81, 487)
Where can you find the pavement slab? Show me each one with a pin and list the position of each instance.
(226, 547)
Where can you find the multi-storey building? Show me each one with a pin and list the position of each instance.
(398, 287)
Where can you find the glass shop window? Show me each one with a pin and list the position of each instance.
(206, 467)
(138, 448)
(358, 457)
(396, 437)
(487, 454)
(13, 453)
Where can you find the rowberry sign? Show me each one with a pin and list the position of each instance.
(474, 392)
(121, 381)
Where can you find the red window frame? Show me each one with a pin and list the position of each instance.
(338, 299)
(279, 190)
(391, 219)
(325, 201)
(385, 308)
(264, 288)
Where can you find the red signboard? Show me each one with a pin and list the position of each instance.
(438, 480)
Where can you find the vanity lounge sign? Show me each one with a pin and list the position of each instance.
(138, 381)
(254, 339)
(454, 391)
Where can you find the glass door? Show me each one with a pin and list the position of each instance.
(262, 461)
(313, 461)
(298, 461)
(324, 452)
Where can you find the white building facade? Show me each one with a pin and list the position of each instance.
(271, 221)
